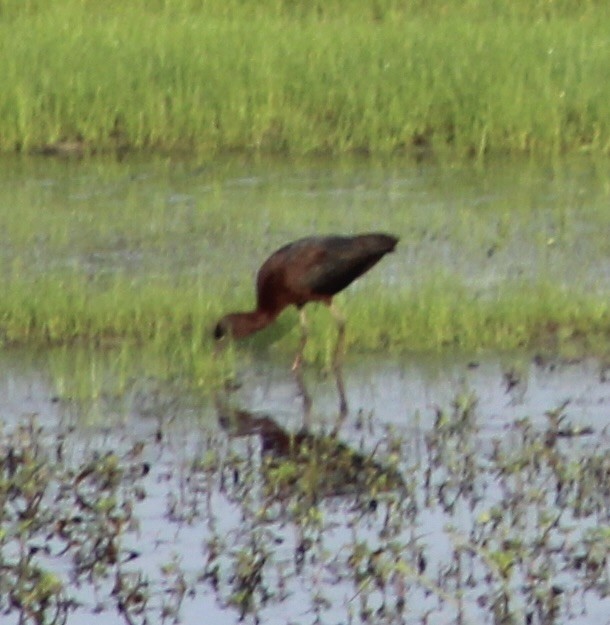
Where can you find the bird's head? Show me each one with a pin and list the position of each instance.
(241, 324)
(222, 329)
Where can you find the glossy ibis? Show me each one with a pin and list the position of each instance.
(312, 269)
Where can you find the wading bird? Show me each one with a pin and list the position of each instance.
(308, 270)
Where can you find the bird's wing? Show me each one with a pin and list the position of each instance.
(290, 275)
(328, 270)
(317, 268)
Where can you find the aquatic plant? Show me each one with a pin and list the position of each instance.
(473, 526)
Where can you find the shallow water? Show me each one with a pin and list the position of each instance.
(508, 220)
(184, 508)
(392, 390)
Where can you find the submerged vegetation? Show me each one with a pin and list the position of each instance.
(482, 526)
(333, 77)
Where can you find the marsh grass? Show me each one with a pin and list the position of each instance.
(446, 315)
(173, 321)
(149, 256)
(474, 77)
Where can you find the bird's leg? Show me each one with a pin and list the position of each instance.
(298, 370)
(307, 402)
(299, 357)
(338, 371)
(337, 361)
(339, 346)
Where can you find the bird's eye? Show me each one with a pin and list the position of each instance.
(219, 331)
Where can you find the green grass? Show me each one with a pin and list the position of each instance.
(177, 318)
(144, 257)
(474, 77)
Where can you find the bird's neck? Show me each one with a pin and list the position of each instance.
(246, 323)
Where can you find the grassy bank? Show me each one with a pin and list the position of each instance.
(473, 77)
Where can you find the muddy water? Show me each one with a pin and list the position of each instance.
(504, 510)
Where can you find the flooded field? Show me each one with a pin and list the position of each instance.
(471, 491)
(144, 481)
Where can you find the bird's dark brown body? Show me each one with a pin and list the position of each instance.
(308, 270)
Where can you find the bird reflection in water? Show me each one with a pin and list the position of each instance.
(309, 465)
